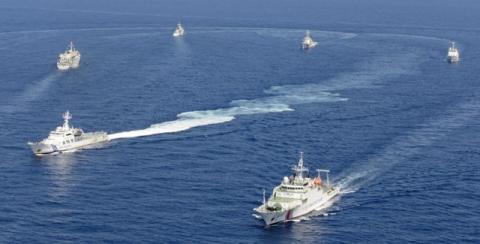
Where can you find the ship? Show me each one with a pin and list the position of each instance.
(179, 31)
(67, 138)
(70, 59)
(297, 196)
(453, 55)
(308, 42)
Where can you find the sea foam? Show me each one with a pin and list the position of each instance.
(31, 93)
(282, 98)
(408, 145)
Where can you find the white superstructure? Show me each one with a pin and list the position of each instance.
(308, 42)
(70, 59)
(453, 55)
(296, 196)
(66, 138)
(179, 31)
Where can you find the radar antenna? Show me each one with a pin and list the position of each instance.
(264, 201)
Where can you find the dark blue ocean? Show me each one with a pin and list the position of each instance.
(200, 125)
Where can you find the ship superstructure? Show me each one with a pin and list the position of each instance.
(296, 196)
(453, 55)
(70, 59)
(67, 138)
(179, 31)
(308, 41)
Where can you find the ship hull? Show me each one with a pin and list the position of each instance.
(308, 46)
(87, 140)
(43, 149)
(453, 59)
(312, 204)
(73, 64)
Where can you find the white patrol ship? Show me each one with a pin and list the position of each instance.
(70, 59)
(308, 42)
(66, 138)
(179, 31)
(296, 196)
(453, 55)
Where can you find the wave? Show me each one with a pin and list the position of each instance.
(281, 98)
(410, 144)
(181, 124)
(272, 104)
(30, 94)
(54, 31)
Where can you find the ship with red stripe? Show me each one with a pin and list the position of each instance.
(296, 196)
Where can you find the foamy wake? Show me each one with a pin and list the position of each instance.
(31, 93)
(281, 98)
(178, 125)
(408, 145)
(193, 119)
(402, 149)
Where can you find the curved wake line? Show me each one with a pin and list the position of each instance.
(408, 145)
(188, 120)
(275, 31)
(81, 29)
(281, 98)
(178, 125)
(193, 119)
(30, 94)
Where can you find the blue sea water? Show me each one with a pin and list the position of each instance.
(200, 125)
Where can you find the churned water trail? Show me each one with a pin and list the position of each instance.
(402, 149)
(55, 31)
(21, 101)
(408, 145)
(193, 119)
(281, 98)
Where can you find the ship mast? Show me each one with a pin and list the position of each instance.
(264, 200)
(300, 161)
(452, 47)
(66, 117)
(299, 169)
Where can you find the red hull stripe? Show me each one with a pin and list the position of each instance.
(289, 214)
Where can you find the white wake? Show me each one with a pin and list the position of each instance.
(31, 93)
(193, 119)
(405, 147)
(281, 98)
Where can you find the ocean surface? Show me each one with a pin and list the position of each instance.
(200, 125)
